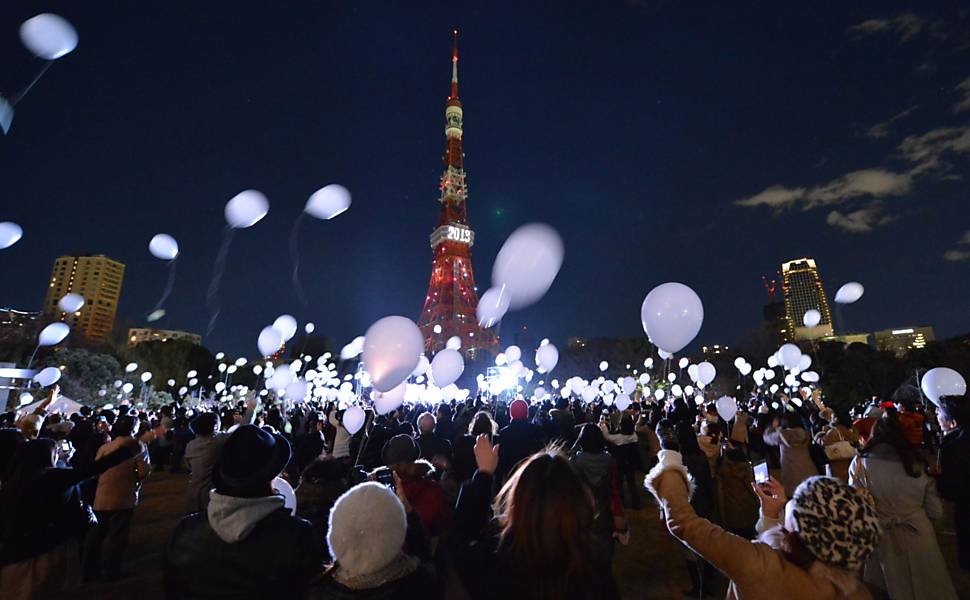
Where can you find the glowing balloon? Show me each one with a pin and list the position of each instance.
(692, 372)
(492, 306)
(547, 356)
(943, 381)
(270, 340)
(706, 373)
(286, 325)
(48, 376)
(353, 419)
(49, 36)
(772, 361)
(589, 394)
(10, 234)
(391, 400)
(446, 367)
(146, 377)
(309, 327)
(604, 366)
(738, 362)
(423, 365)
(622, 402)
(70, 303)
(246, 208)
(296, 390)
(683, 362)
(283, 488)
(53, 334)
(810, 376)
(453, 343)
(328, 202)
(812, 318)
(849, 293)
(127, 388)
(727, 407)
(164, 246)
(513, 353)
(392, 349)
(804, 362)
(26, 398)
(745, 369)
(528, 263)
(629, 385)
(790, 354)
(671, 315)
(663, 354)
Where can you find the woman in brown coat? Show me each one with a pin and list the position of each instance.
(793, 441)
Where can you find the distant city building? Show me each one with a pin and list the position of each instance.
(714, 350)
(802, 287)
(11, 318)
(98, 279)
(848, 338)
(576, 343)
(901, 341)
(775, 322)
(145, 334)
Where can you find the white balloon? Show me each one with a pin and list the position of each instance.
(453, 343)
(943, 381)
(772, 361)
(53, 334)
(286, 325)
(309, 327)
(692, 372)
(131, 367)
(648, 363)
(849, 293)
(769, 374)
(811, 318)
(47, 376)
(589, 394)
(270, 340)
(26, 398)
(528, 263)
(671, 377)
(328, 202)
(644, 379)
(608, 387)
(190, 374)
(163, 246)
(671, 315)
(446, 367)
(220, 387)
(683, 362)
(622, 402)
(676, 390)
(659, 394)
(146, 377)
(604, 366)
(738, 362)
(547, 356)
(283, 488)
(745, 369)
(492, 306)
(49, 36)
(810, 376)
(629, 385)
(423, 365)
(127, 388)
(727, 407)
(297, 390)
(706, 373)
(392, 349)
(71, 302)
(354, 419)
(790, 354)
(664, 354)
(246, 208)
(391, 400)
(10, 234)
(513, 353)
(804, 362)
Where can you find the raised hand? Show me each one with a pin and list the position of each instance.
(486, 455)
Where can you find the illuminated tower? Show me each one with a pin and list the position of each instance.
(98, 279)
(449, 307)
(803, 291)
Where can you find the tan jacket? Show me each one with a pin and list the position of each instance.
(118, 487)
(757, 571)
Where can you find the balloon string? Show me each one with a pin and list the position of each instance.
(295, 258)
(212, 295)
(23, 92)
(168, 286)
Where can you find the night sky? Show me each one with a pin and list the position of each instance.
(665, 141)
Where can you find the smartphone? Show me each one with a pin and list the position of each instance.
(386, 476)
(761, 472)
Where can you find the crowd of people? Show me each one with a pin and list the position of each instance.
(486, 499)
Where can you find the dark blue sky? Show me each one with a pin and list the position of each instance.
(634, 128)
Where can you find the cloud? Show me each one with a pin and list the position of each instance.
(859, 221)
(906, 25)
(956, 255)
(965, 239)
(964, 103)
(927, 150)
(876, 183)
(777, 196)
(880, 130)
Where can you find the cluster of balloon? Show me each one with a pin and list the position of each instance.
(163, 247)
(272, 337)
(942, 381)
(49, 37)
(325, 204)
(10, 233)
(524, 270)
(672, 315)
(243, 210)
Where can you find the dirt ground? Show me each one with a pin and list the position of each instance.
(652, 566)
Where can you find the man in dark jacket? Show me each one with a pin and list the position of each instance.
(433, 447)
(246, 544)
(444, 426)
(953, 482)
(520, 439)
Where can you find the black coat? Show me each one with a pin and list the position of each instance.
(432, 444)
(954, 485)
(520, 440)
(276, 560)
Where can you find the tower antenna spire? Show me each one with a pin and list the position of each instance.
(454, 67)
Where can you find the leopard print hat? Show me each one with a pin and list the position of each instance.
(835, 522)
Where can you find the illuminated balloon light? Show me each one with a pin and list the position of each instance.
(604, 366)
(528, 263)
(391, 400)
(146, 377)
(220, 387)
(48, 36)
(353, 419)
(727, 407)
(127, 388)
(659, 394)
(26, 398)
(501, 359)
(220, 355)
(164, 247)
(392, 349)
(513, 353)
(772, 361)
(436, 329)
(309, 327)
(47, 376)
(745, 369)
(589, 394)
(672, 315)
(942, 381)
(70, 303)
(811, 318)
(706, 373)
(699, 399)
(270, 340)
(810, 376)
(246, 208)
(644, 379)
(671, 377)
(682, 363)
(676, 390)
(190, 374)
(10, 234)
(629, 385)
(804, 362)
(608, 387)
(547, 356)
(446, 367)
(648, 363)
(849, 293)
(286, 325)
(328, 202)
(53, 334)
(790, 354)
(492, 306)
(453, 343)
(664, 354)
(296, 390)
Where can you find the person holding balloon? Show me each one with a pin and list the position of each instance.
(953, 481)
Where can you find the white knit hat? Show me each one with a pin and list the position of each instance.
(367, 528)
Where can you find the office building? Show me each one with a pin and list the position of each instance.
(775, 323)
(848, 338)
(803, 291)
(901, 341)
(98, 279)
(11, 318)
(146, 334)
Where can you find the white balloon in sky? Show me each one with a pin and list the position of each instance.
(446, 367)
(128, 387)
(672, 315)
(849, 293)
(790, 354)
(47, 376)
(26, 398)
(436, 329)
(286, 325)
(246, 208)
(163, 246)
(683, 362)
(706, 372)
(71, 302)
(49, 36)
(145, 377)
(270, 340)
(604, 365)
(309, 327)
(10, 234)
(513, 353)
(392, 349)
(423, 365)
(328, 202)
(354, 419)
(745, 369)
(772, 361)
(53, 334)
(811, 318)
(528, 263)
(453, 343)
(547, 356)
(492, 306)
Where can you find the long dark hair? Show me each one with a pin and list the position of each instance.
(887, 430)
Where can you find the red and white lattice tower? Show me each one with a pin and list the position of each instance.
(449, 308)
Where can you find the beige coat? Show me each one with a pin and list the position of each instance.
(757, 571)
(118, 487)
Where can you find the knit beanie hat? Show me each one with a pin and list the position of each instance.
(519, 409)
(367, 527)
(836, 522)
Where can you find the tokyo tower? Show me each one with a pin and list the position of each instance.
(449, 307)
